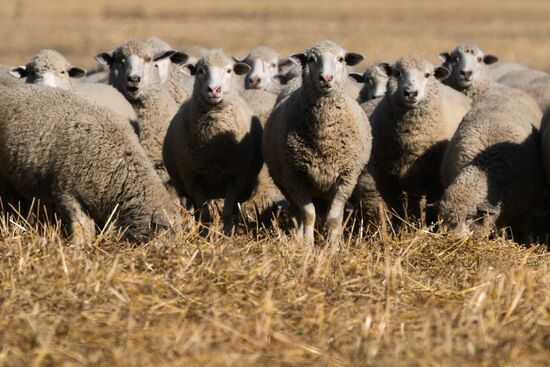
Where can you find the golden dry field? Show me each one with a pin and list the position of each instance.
(414, 298)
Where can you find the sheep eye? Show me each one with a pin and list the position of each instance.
(340, 59)
(479, 58)
(273, 65)
(147, 59)
(62, 71)
(427, 75)
(200, 71)
(396, 74)
(228, 71)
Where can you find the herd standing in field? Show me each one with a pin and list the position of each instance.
(155, 132)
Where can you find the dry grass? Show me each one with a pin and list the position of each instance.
(413, 299)
(416, 299)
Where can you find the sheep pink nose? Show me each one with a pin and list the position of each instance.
(254, 80)
(326, 78)
(215, 90)
(134, 79)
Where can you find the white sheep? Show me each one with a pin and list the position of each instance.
(50, 68)
(133, 71)
(497, 71)
(492, 169)
(317, 140)
(264, 69)
(213, 146)
(65, 151)
(411, 127)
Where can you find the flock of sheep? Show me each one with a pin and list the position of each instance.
(153, 130)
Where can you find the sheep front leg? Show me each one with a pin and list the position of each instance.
(306, 227)
(80, 226)
(229, 210)
(335, 217)
(202, 214)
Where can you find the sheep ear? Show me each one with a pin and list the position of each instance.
(441, 72)
(444, 56)
(357, 77)
(179, 58)
(298, 59)
(387, 68)
(104, 58)
(240, 68)
(163, 55)
(284, 64)
(76, 72)
(490, 59)
(188, 69)
(19, 72)
(353, 58)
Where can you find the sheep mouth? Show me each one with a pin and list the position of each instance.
(325, 87)
(465, 82)
(132, 91)
(411, 103)
(215, 99)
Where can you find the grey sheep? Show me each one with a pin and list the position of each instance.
(375, 80)
(213, 146)
(492, 170)
(50, 68)
(133, 72)
(65, 151)
(520, 78)
(179, 85)
(469, 74)
(411, 127)
(317, 140)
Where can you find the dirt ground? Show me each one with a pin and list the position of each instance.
(414, 298)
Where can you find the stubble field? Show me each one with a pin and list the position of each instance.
(262, 298)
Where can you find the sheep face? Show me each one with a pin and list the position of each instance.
(133, 68)
(264, 67)
(324, 66)
(49, 68)
(214, 74)
(376, 82)
(412, 79)
(375, 79)
(467, 64)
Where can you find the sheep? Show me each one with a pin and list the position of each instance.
(497, 71)
(350, 86)
(264, 69)
(178, 84)
(520, 78)
(375, 79)
(50, 68)
(63, 150)
(492, 170)
(411, 127)
(469, 75)
(194, 53)
(213, 146)
(132, 70)
(317, 140)
(260, 102)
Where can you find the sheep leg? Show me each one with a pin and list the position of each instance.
(334, 220)
(306, 223)
(80, 226)
(202, 215)
(229, 210)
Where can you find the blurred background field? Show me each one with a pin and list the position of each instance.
(513, 30)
